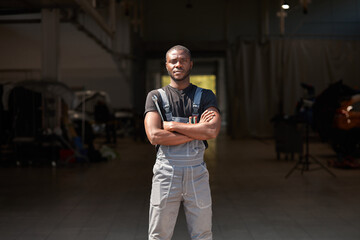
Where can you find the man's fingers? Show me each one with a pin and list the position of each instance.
(207, 116)
(207, 113)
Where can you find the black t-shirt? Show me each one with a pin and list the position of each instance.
(181, 101)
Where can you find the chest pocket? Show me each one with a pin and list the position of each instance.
(190, 150)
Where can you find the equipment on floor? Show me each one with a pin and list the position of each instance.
(35, 123)
(303, 163)
(336, 114)
(288, 138)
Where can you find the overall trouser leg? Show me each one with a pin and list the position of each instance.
(162, 221)
(197, 203)
(171, 185)
(164, 201)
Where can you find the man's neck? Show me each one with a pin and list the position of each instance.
(180, 85)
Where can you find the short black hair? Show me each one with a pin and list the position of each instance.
(179, 47)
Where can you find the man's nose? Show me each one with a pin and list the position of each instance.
(178, 64)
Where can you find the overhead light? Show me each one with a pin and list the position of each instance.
(285, 5)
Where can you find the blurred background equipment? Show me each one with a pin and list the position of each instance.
(336, 119)
(41, 124)
(32, 120)
(292, 133)
(288, 137)
(304, 116)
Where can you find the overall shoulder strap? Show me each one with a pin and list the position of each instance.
(166, 105)
(196, 102)
(196, 106)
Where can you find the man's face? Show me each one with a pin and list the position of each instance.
(178, 65)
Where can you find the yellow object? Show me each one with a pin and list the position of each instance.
(203, 81)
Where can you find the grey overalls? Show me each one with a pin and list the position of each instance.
(180, 174)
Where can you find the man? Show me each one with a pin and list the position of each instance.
(180, 174)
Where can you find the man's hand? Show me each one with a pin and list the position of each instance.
(207, 128)
(207, 116)
(159, 136)
(168, 126)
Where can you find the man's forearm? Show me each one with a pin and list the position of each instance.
(207, 128)
(199, 131)
(175, 133)
(159, 136)
(167, 138)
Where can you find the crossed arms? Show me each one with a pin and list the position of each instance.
(175, 133)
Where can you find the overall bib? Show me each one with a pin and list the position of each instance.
(180, 174)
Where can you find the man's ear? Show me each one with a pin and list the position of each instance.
(191, 64)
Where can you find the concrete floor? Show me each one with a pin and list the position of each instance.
(251, 198)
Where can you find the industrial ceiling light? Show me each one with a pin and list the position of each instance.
(285, 5)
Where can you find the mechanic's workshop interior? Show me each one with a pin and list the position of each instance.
(75, 159)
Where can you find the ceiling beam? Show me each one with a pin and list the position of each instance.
(86, 6)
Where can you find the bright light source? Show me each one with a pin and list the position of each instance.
(285, 5)
(349, 108)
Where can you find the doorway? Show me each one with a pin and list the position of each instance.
(203, 81)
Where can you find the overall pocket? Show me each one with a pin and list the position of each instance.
(201, 186)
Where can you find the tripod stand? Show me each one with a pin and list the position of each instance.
(304, 162)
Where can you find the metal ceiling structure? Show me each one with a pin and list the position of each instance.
(14, 7)
(8, 7)
(101, 29)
